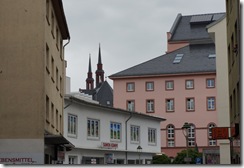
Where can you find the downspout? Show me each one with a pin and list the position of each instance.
(126, 160)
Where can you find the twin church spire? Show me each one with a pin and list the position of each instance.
(99, 72)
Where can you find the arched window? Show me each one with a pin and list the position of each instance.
(170, 135)
(191, 135)
(211, 142)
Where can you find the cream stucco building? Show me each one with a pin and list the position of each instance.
(32, 75)
(217, 31)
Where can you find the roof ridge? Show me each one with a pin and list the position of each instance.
(203, 14)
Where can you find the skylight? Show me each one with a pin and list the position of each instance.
(178, 58)
(212, 56)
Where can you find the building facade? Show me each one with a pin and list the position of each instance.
(217, 31)
(234, 53)
(179, 86)
(105, 135)
(32, 80)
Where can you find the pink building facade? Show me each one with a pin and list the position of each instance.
(179, 86)
(172, 104)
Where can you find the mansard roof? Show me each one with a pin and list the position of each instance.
(192, 27)
(195, 60)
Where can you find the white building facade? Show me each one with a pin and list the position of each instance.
(105, 135)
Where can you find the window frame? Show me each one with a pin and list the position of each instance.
(127, 105)
(118, 133)
(149, 84)
(186, 84)
(153, 107)
(96, 134)
(211, 142)
(214, 105)
(166, 85)
(207, 84)
(170, 134)
(152, 136)
(166, 102)
(133, 87)
(191, 139)
(73, 125)
(136, 129)
(190, 110)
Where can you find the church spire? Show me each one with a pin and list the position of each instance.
(99, 71)
(89, 79)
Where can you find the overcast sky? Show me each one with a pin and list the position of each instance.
(130, 32)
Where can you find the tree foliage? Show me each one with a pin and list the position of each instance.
(161, 159)
(192, 153)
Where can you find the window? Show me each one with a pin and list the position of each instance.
(171, 135)
(61, 86)
(93, 127)
(210, 83)
(72, 125)
(190, 104)
(189, 84)
(150, 106)
(47, 10)
(47, 59)
(73, 160)
(149, 86)
(52, 70)
(178, 58)
(57, 38)
(47, 108)
(191, 135)
(169, 85)
(135, 134)
(57, 78)
(152, 136)
(211, 142)
(56, 119)
(130, 87)
(52, 114)
(211, 103)
(115, 131)
(52, 26)
(131, 105)
(169, 105)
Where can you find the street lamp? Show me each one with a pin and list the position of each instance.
(185, 129)
(139, 150)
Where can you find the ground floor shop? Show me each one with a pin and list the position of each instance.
(97, 156)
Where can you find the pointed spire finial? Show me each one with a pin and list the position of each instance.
(99, 55)
(89, 67)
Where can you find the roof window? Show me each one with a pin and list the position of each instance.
(178, 58)
(212, 56)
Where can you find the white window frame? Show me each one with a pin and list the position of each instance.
(130, 87)
(131, 105)
(169, 85)
(171, 135)
(93, 128)
(211, 103)
(152, 136)
(73, 160)
(191, 135)
(189, 84)
(72, 125)
(210, 83)
(190, 104)
(134, 134)
(115, 131)
(169, 105)
(211, 142)
(150, 106)
(149, 86)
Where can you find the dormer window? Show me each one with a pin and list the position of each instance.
(178, 58)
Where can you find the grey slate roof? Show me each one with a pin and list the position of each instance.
(101, 93)
(192, 27)
(195, 60)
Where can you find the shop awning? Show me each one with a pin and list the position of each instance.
(57, 140)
